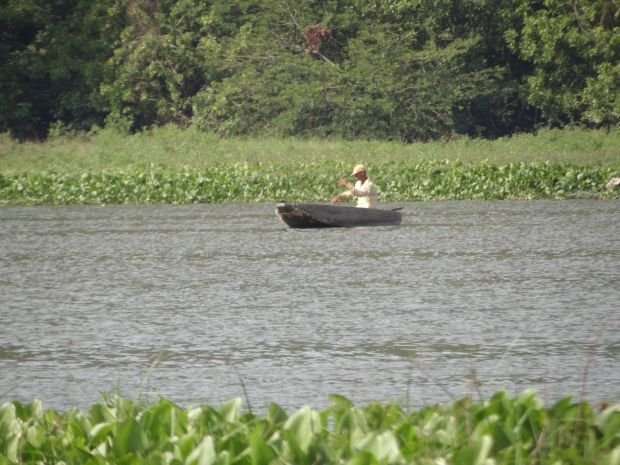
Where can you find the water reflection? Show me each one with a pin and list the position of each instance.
(512, 294)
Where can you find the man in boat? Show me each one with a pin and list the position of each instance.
(364, 189)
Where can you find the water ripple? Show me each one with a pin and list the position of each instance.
(509, 294)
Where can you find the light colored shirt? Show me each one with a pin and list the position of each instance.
(366, 194)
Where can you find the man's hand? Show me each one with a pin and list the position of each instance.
(336, 200)
(343, 182)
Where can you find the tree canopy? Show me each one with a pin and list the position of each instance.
(375, 69)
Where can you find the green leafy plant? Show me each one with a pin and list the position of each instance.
(502, 430)
(313, 182)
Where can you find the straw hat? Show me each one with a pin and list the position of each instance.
(358, 168)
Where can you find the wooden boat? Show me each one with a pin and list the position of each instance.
(313, 215)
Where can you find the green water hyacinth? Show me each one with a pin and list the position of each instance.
(315, 182)
(502, 430)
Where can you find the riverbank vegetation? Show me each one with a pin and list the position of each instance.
(499, 431)
(312, 182)
(173, 165)
(376, 70)
(175, 148)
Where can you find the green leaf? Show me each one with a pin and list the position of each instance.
(34, 409)
(606, 415)
(382, 446)
(300, 456)
(229, 410)
(276, 414)
(129, 438)
(99, 432)
(303, 424)
(362, 458)
(9, 446)
(7, 413)
(340, 403)
(613, 458)
(475, 453)
(260, 452)
(102, 413)
(204, 454)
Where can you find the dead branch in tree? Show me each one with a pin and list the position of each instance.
(314, 36)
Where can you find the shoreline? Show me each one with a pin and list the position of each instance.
(311, 183)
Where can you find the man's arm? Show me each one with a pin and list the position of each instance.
(345, 195)
(367, 189)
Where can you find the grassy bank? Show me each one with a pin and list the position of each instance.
(172, 165)
(310, 183)
(502, 430)
(174, 148)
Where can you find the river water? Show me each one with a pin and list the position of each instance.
(195, 302)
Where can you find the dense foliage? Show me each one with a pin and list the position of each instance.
(500, 431)
(380, 69)
(315, 182)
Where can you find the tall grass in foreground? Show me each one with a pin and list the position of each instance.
(502, 430)
(315, 182)
(175, 147)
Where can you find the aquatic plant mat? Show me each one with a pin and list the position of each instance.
(314, 182)
(502, 430)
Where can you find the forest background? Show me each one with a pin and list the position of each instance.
(395, 70)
